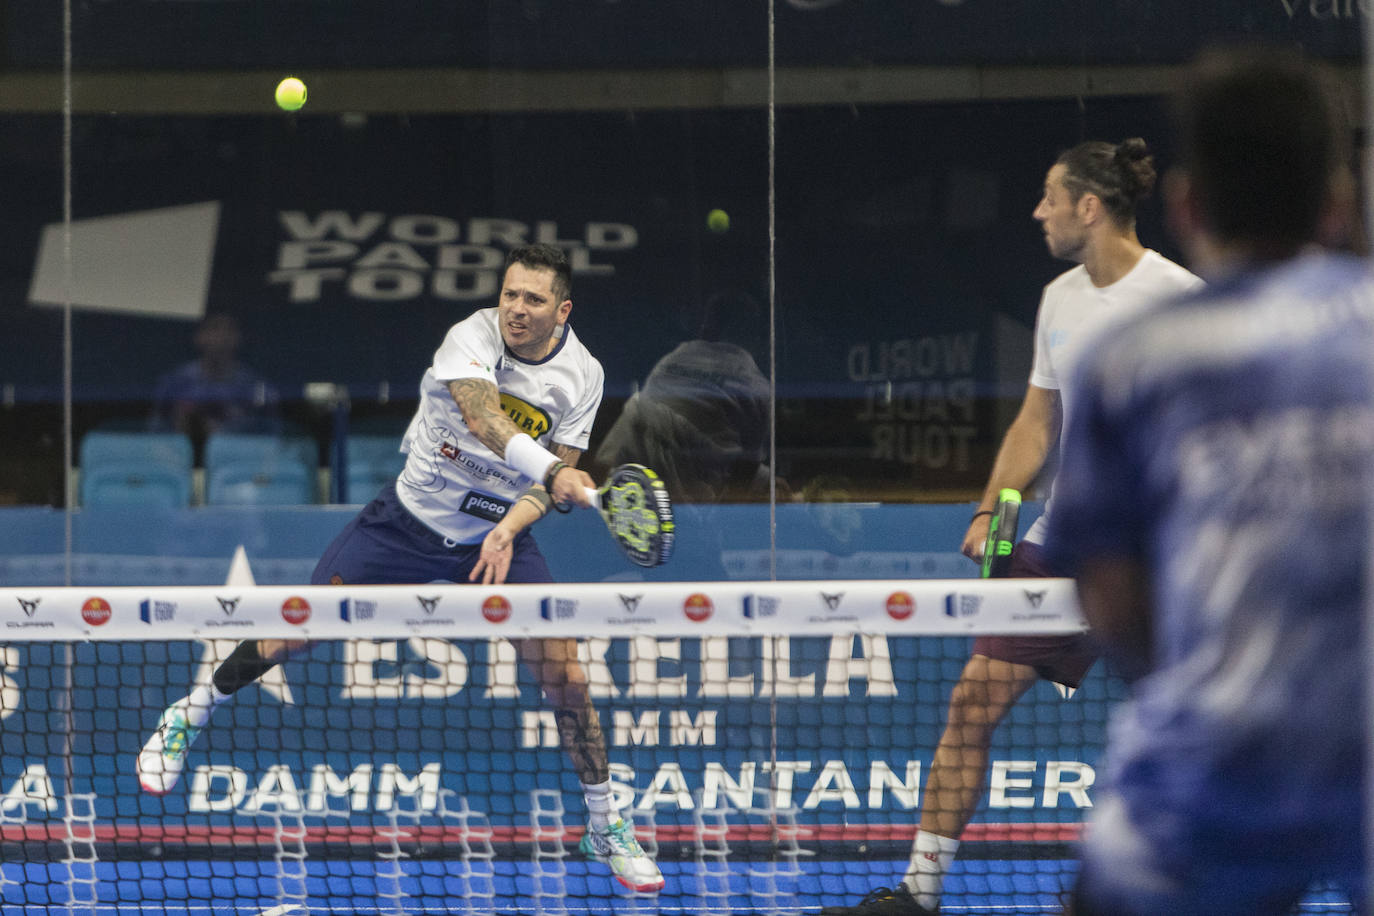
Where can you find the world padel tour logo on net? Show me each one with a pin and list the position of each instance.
(900, 605)
(496, 609)
(96, 611)
(758, 607)
(295, 610)
(960, 605)
(698, 607)
(354, 609)
(558, 608)
(151, 611)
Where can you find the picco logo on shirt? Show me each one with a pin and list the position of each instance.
(484, 506)
(527, 417)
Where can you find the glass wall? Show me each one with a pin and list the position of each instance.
(801, 236)
(804, 257)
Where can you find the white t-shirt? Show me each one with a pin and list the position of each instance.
(1073, 311)
(452, 482)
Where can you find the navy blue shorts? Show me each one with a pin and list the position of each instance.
(386, 545)
(1063, 659)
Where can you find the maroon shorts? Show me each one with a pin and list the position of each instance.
(1062, 659)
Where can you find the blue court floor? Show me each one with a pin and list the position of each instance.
(366, 887)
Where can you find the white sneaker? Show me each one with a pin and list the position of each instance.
(164, 756)
(617, 847)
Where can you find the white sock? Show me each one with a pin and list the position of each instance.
(601, 809)
(202, 702)
(931, 857)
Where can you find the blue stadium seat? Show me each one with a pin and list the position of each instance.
(128, 468)
(249, 469)
(372, 463)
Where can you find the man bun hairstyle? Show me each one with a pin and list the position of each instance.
(544, 257)
(1120, 175)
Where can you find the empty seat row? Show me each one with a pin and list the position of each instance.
(156, 469)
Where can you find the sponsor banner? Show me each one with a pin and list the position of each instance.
(375, 726)
(916, 607)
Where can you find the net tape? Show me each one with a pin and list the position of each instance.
(927, 607)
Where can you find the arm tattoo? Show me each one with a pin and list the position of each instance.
(480, 403)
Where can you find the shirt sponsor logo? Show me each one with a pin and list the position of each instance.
(900, 605)
(527, 417)
(759, 607)
(698, 607)
(96, 611)
(295, 610)
(496, 609)
(484, 506)
(150, 611)
(453, 453)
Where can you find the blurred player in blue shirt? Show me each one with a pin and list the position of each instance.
(1213, 502)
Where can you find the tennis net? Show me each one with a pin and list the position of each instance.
(768, 740)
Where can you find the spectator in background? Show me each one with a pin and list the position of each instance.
(216, 391)
(701, 419)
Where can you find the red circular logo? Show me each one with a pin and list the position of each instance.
(900, 605)
(295, 610)
(697, 607)
(496, 609)
(96, 611)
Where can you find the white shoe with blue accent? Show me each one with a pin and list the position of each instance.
(617, 847)
(163, 758)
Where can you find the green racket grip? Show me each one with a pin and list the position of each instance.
(1002, 531)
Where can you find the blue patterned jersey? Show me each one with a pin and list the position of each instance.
(1224, 441)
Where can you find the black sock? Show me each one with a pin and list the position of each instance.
(243, 666)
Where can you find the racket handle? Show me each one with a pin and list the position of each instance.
(1002, 534)
(594, 496)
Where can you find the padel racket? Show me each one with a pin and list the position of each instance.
(1002, 534)
(635, 505)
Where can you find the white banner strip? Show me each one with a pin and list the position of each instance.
(914, 607)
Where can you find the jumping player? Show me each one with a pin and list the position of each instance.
(473, 484)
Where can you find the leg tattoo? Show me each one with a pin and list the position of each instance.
(579, 732)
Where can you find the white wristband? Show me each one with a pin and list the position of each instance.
(529, 457)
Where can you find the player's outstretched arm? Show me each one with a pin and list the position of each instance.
(1022, 455)
(570, 485)
(480, 403)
